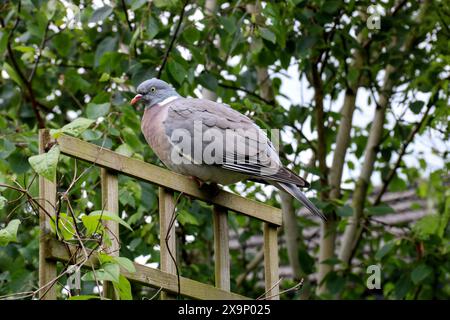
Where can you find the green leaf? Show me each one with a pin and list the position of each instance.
(123, 288)
(75, 128)
(45, 164)
(131, 138)
(51, 8)
(152, 28)
(3, 201)
(177, 71)
(380, 210)
(416, 106)
(93, 218)
(12, 73)
(384, 250)
(420, 273)
(104, 77)
(426, 226)
(345, 211)
(108, 272)
(185, 217)
(125, 150)
(94, 111)
(9, 233)
(101, 14)
(268, 35)
(85, 297)
(125, 263)
(66, 228)
(208, 81)
(136, 4)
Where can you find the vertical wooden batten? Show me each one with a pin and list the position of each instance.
(271, 272)
(221, 248)
(110, 203)
(166, 216)
(47, 199)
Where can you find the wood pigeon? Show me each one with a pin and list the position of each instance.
(211, 142)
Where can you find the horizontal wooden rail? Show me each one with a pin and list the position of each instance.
(57, 251)
(106, 158)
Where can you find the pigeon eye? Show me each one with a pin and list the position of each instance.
(152, 89)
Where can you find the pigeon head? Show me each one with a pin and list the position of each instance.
(153, 91)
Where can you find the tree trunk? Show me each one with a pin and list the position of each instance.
(354, 226)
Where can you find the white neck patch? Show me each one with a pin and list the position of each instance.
(167, 100)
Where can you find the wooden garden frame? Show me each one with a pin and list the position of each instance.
(112, 164)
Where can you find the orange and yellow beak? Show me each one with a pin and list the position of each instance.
(136, 99)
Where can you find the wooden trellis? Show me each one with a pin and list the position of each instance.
(112, 164)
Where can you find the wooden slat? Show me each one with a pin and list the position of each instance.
(144, 275)
(166, 231)
(221, 248)
(47, 196)
(110, 202)
(271, 272)
(108, 159)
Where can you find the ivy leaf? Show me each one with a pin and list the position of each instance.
(66, 228)
(75, 128)
(125, 150)
(101, 14)
(109, 272)
(123, 288)
(9, 234)
(420, 273)
(45, 164)
(92, 220)
(125, 263)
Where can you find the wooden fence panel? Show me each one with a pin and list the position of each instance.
(168, 249)
(47, 198)
(271, 272)
(112, 164)
(221, 248)
(110, 203)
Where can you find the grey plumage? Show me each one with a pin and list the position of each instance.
(245, 153)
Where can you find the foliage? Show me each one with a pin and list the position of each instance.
(73, 67)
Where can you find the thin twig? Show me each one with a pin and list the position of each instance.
(171, 224)
(169, 48)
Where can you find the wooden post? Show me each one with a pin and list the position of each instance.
(110, 203)
(47, 198)
(166, 216)
(221, 248)
(271, 272)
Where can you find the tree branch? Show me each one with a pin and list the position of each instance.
(174, 37)
(402, 152)
(251, 93)
(125, 11)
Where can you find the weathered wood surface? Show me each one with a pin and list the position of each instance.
(110, 203)
(271, 273)
(162, 177)
(221, 248)
(168, 249)
(47, 198)
(144, 275)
